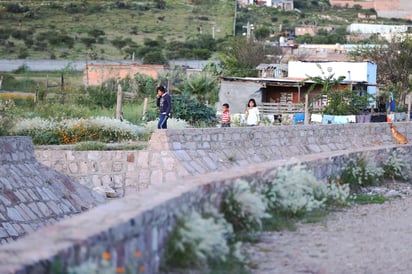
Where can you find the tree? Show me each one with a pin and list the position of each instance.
(154, 57)
(241, 56)
(346, 102)
(119, 43)
(88, 41)
(261, 33)
(394, 64)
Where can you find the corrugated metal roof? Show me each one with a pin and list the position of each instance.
(272, 66)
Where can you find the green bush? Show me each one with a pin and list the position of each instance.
(61, 111)
(146, 85)
(12, 84)
(101, 96)
(192, 111)
(90, 145)
(6, 121)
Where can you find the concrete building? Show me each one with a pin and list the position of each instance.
(354, 72)
(288, 93)
(376, 28)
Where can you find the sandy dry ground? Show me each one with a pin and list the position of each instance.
(362, 239)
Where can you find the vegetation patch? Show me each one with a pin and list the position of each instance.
(208, 240)
(369, 199)
(71, 131)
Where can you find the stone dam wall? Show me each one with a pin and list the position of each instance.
(33, 195)
(173, 154)
(134, 229)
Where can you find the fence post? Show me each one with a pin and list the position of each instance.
(144, 109)
(119, 112)
(306, 121)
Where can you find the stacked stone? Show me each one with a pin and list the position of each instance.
(32, 195)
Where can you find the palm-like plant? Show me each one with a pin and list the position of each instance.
(328, 83)
(202, 87)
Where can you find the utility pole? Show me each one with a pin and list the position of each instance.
(249, 28)
(234, 19)
(87, 70)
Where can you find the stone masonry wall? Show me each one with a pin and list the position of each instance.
(32, 195)
(175, 154)
(135, 229)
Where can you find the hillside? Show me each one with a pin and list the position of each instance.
(185, 29)
(104, 29)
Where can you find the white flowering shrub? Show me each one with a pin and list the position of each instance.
(172, 123)
(42, 131)
(360, 172)
(332, 192)
(296, 191)
(69, 131)
(244, 207)
(396, 166)
(114, 129)
(197, 239)
(292, 191)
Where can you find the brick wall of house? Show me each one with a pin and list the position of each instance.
(384, 8)
(96, 74)
(387, 5)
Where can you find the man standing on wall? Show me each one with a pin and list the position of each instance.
(164, 102)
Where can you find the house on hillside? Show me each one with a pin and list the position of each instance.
(272, 70)
(285, 5)
(276, 95)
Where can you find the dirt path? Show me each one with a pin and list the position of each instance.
(363, 239)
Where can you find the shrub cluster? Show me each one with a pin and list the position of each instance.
(244, 206)
(70, 131)
(296, 191)
(208, 239)
(197, 239)
(396, 166)
(291, 191)
(360, 172)
(20, 100)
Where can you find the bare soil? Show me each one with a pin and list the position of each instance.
(372, 238)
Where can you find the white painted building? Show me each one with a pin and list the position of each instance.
(376, 28)
(352, 71)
